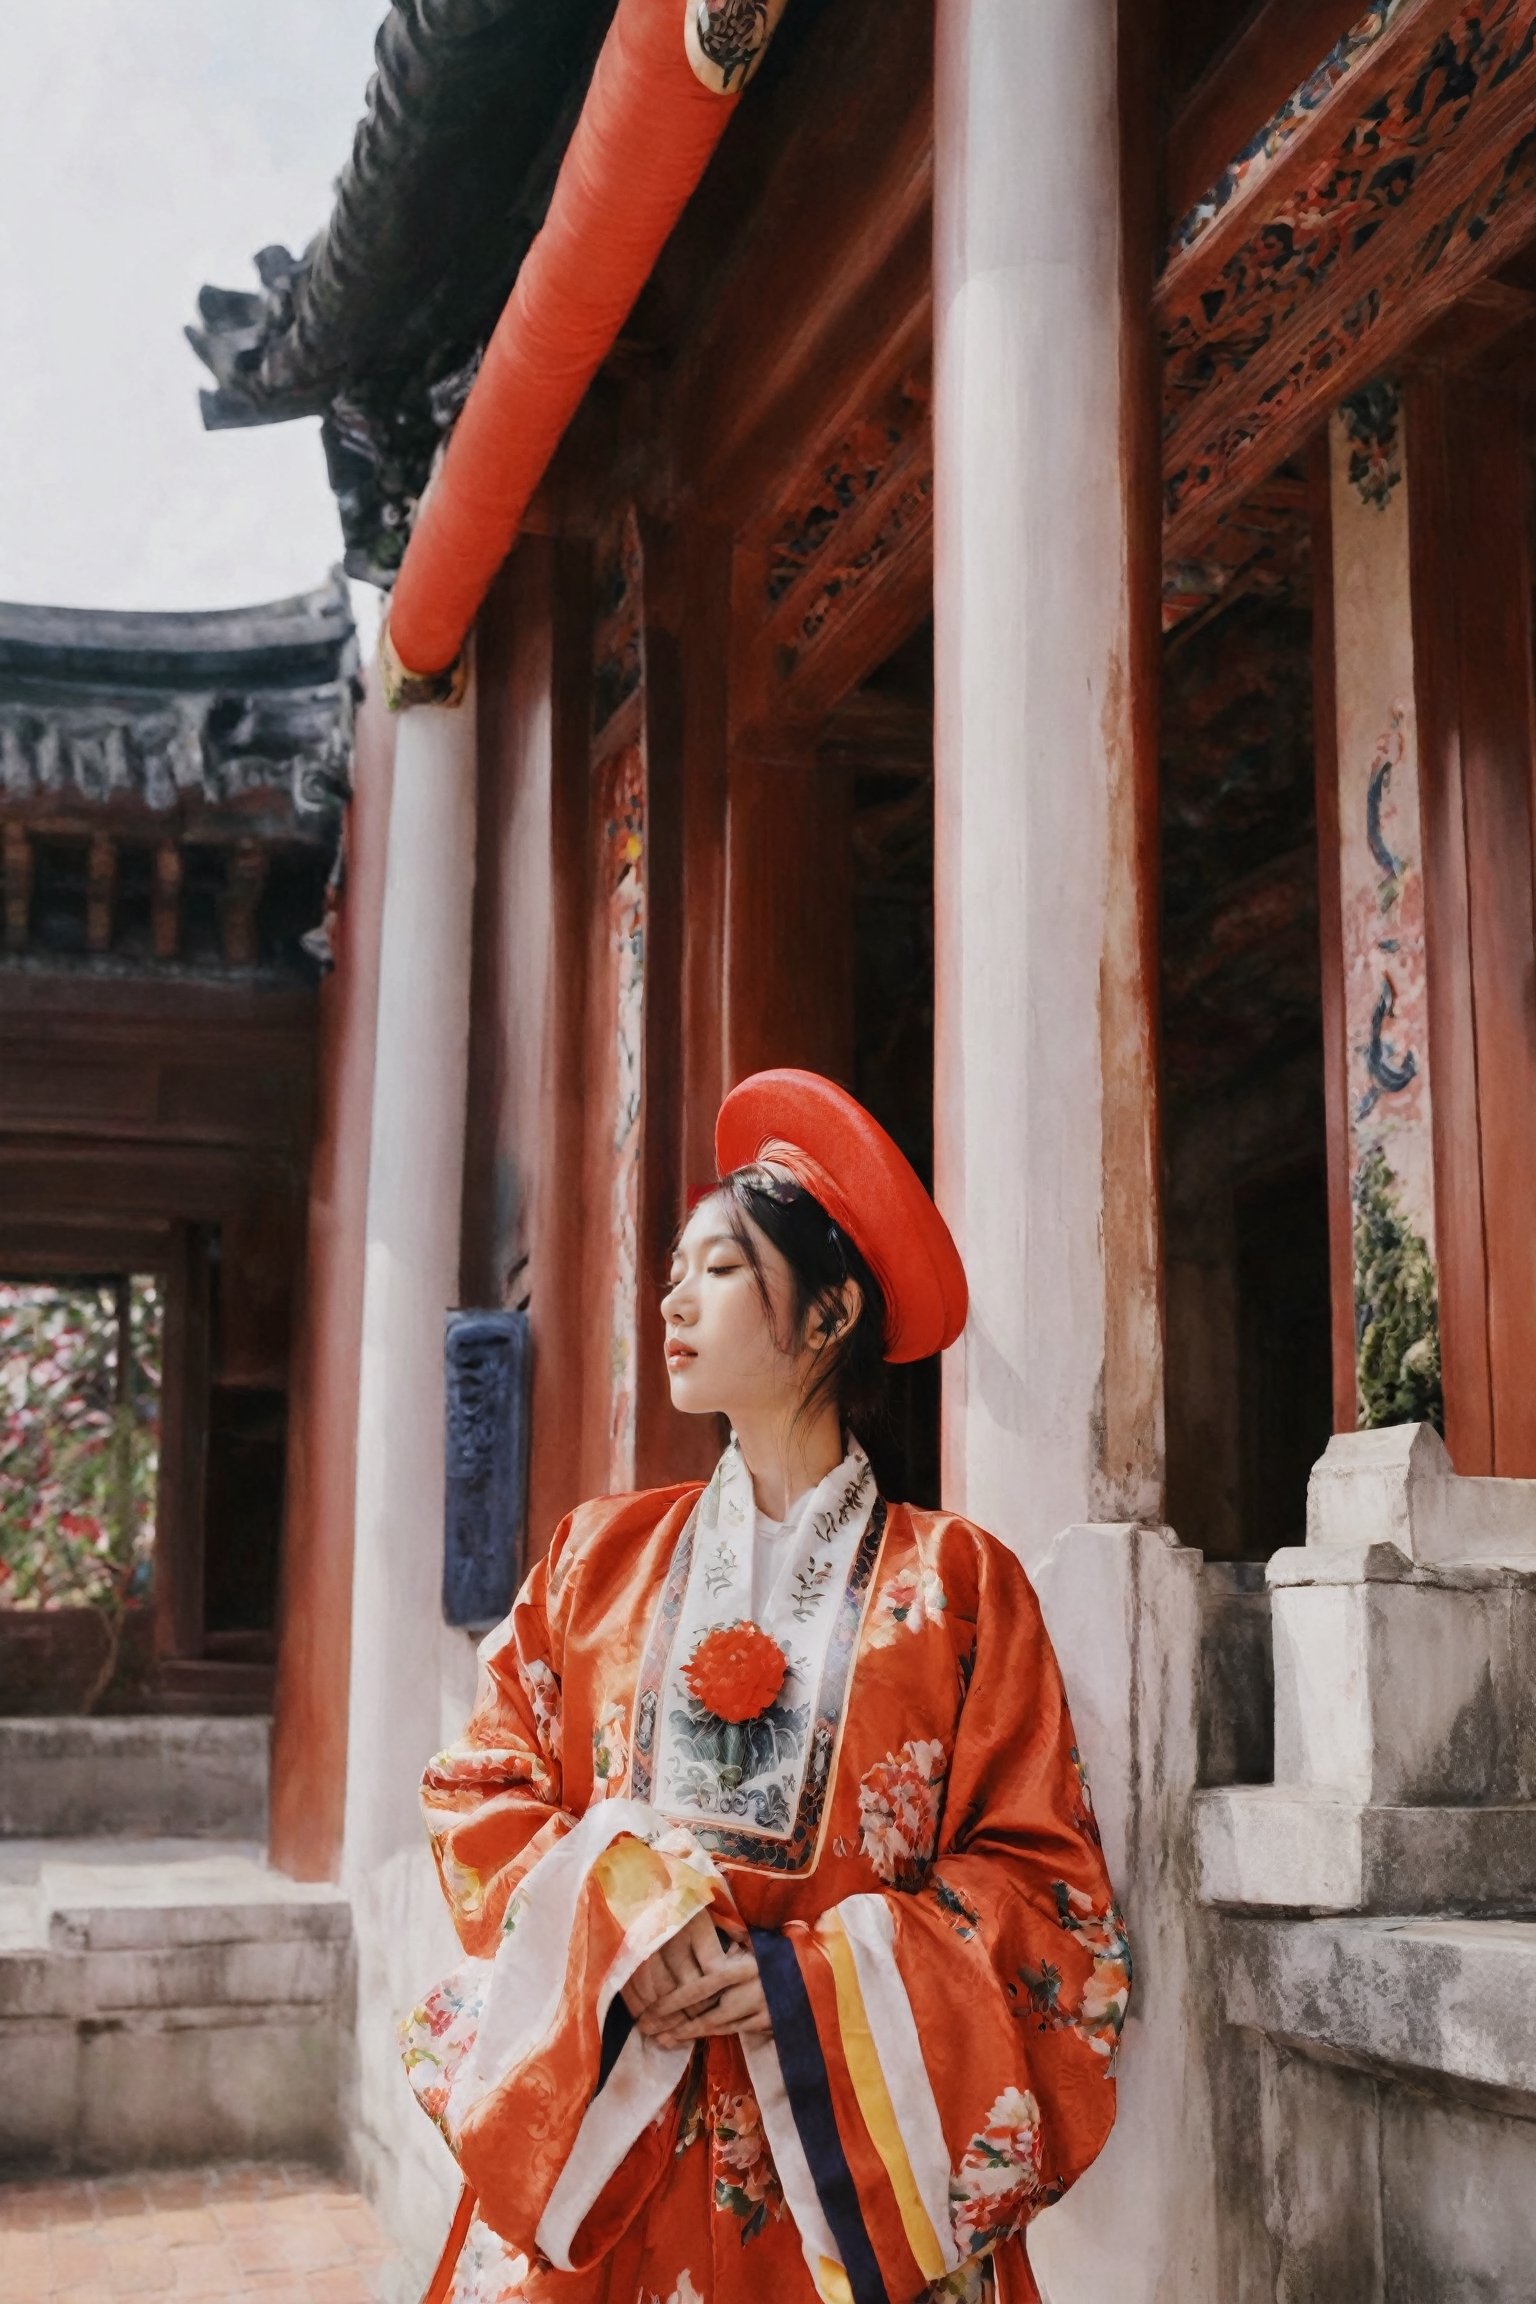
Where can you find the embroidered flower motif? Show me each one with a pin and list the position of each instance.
(962, 1917)
(912, 1598)
(684, 2293)
(736, 1671)
(811, 1581)
(899, 1802)
(542, 1690)
(1100, 2014)
(610, 1750)
(1082, 1815)
(746, 2182)
(970, 2283)
(997, 2186)
(435, 2039)
(490, 2271)
(721, 1569)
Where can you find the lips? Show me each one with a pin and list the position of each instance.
(679, 1354)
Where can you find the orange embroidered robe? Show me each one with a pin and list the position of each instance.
(943, 1960)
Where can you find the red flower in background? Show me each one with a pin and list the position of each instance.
(736, 1671)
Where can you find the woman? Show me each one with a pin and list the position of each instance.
(795, 1970)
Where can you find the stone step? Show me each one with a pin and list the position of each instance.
(1280, 1848)
(170, 2003)
(136, 1778)
(1428, 1999)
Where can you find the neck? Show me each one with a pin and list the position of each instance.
(785, 1456)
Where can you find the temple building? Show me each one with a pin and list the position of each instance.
(170, 801)
(1027, 610)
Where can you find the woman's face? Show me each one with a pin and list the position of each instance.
(728, 1354)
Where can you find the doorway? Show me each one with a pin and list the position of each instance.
(1248, 1351)
(880, 739)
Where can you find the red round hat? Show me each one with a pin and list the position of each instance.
(840, 1154)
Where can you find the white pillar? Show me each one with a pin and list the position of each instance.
(411, 1280)
(1044, 1079)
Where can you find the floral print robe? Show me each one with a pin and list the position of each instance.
(944, 1963)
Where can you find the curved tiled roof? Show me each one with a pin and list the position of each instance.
(247, 709)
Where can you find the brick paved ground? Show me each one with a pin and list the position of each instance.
(290, 2235)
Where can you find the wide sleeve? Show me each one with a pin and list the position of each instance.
(558, 2111)
(942, 2048)
(493, 1799)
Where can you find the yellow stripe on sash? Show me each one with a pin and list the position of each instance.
(832, 2282)
(874, 2099)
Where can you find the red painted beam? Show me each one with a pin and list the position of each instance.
(654, 113)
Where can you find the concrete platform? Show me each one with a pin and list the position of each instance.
(170, 2003)
(132, 1779)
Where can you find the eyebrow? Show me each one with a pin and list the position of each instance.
(715, 1240)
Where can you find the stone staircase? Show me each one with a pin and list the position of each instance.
(1372, 1912)
(164, 1996)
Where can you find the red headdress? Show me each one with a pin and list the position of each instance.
(825, 1139)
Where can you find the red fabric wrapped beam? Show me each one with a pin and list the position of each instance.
(653, 115)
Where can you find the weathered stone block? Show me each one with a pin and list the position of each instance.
(37, 2120)
(1237, 1675)
(1322, 2182)
(134, 1778)
(1405, 1692)
(1278, 1847)
(1398, 1486)
(1459, 2203)
(1122, 1605)
(195, 2085)
(1431, 1999)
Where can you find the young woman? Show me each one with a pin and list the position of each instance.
(795, 1972)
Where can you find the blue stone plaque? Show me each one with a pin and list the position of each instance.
(488, 1360)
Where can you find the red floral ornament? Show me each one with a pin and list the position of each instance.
(736, 1671)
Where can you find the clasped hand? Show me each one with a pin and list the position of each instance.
(696, 1987)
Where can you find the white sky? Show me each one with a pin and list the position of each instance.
(147, 146)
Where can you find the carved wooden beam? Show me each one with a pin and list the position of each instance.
(830, 265)
(843, 569)
(1232, 104)
(18, 887)
(1261, 545)
(1316, 260)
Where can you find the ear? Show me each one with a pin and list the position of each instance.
(850, 1304)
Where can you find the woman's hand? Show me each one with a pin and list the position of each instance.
(694, 1988)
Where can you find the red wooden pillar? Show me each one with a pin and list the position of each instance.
(523, 1219)
(1471, 507)
(1425, 752)
(309, 1729)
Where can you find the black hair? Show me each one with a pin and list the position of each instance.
(822, 1258)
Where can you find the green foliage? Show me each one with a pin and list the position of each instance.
(79, 1442)
(1397, 1321)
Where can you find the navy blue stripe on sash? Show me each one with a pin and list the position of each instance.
(810, 2100)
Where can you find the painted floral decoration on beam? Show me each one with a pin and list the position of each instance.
(1241, 173)
(1375, 463)
(726, 40)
